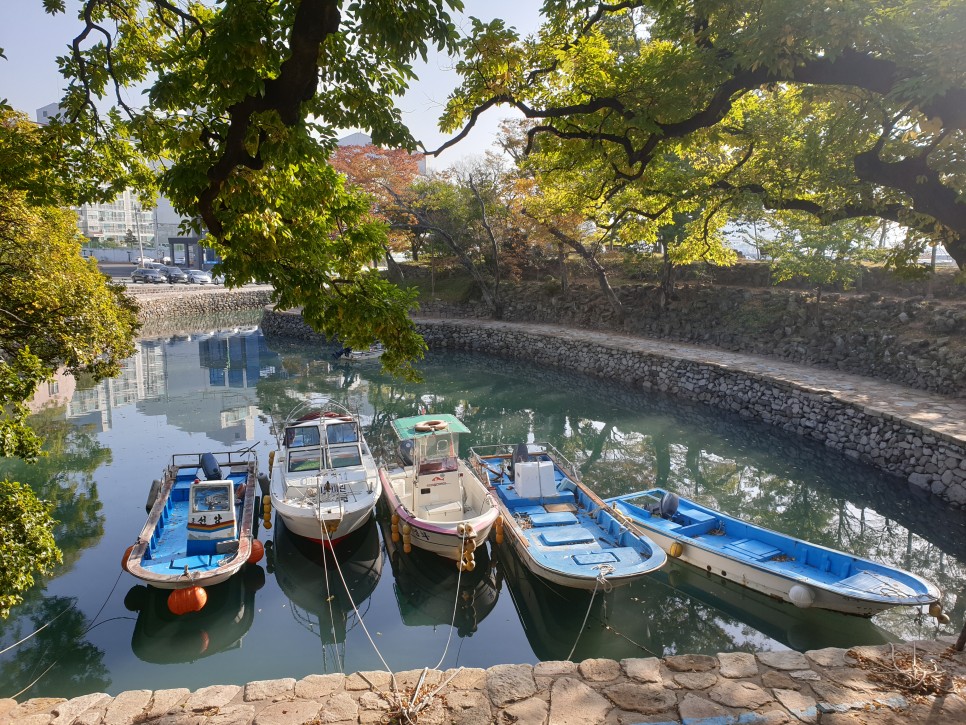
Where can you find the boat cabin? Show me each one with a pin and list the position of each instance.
(429, 444)
(322, 445)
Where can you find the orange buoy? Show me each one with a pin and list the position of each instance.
(127, 554)
(258, 551)
(190, 599)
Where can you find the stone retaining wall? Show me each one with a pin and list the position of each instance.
(928, 460)
(831, 685)
(186, 304)
(912, 341)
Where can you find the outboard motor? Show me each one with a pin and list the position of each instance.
(209, 464)
(405, 451)
(668, 506)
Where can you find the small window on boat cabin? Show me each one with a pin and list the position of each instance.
(302, 436)
(345, 456)
(440, 447)
(211, 498)
(342, 433)
(302, 461)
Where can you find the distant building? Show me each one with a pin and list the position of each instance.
(156, 230)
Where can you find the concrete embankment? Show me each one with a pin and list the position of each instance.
(922, 682)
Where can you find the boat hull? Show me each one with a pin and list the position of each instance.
(324, 480)
(439, 537)
(331, 527)
(560, 529)
(801, 585)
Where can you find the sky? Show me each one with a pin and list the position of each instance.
(31, 40)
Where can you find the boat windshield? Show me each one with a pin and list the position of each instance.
(301, 461)
(345, 456)
(437, 453)
(301, 436)
(342, 433)
(211, 498)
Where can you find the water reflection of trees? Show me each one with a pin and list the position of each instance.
(624, 441)
(66, 663)
(64, 475)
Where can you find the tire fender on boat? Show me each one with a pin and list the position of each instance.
(152, 495)
(801, 596)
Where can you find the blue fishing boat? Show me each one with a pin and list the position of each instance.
(561, 530)
(199, 527)
(796, 571)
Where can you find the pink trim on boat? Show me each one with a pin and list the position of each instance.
(398, 507)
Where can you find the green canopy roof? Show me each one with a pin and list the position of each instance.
(406, 427)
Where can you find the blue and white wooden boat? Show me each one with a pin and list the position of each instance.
(561, 530)
(199, 526)
(781, 566)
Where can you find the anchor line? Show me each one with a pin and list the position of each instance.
(599, 583)
(452, 624)
(328, 599)
(72, 605)
(352, 601)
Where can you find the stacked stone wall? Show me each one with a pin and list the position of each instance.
(912, 341)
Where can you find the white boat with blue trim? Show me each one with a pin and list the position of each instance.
(781, 566)
(324, 479)
(199, 526)
(560, 529)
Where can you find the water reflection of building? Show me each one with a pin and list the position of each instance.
(200, 383)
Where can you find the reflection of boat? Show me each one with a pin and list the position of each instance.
(163, 638)
(374, 352)
(676, 609)
(306, 572)
(436, 502)
(805, 574)
(325, 482)
(199, 527)
(799, 629)
(431, 592)
(558, 527)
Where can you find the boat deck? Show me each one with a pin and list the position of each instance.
(566, 530)
(167, 550)
(777, 553)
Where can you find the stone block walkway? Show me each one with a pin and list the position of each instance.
(943, 415)
(923, 682)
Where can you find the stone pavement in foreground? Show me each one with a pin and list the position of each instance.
(828, 686)
(934, 411)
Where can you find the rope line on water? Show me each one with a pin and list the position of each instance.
(599, 583)
(72, 605)
(38, 630)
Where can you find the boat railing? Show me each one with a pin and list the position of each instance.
(224, 458)
(506, 450)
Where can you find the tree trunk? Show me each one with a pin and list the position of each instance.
(564, 278)
(667, 280)
(394, 271)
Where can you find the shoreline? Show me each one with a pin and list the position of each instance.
(832, 686)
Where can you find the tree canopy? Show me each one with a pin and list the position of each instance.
(242, 101)
(717, 108)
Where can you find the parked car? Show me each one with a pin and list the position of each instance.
(142, 260)
(198, 276)
(176, 274)
(146, 275)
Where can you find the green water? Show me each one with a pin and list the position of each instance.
(219, 391)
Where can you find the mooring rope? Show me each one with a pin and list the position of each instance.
(599, 583)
